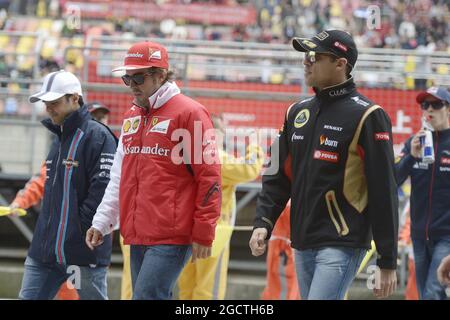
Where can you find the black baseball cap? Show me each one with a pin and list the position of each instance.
(337, 42)
(93, 106)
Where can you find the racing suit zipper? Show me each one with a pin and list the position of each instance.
(51, 196)
(308, 158)
(145, 116)
(431, 187)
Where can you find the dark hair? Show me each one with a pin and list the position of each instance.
(348, 71)
(348, 68)
(80, 99)
(170, 75)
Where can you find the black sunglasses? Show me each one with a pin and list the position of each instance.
(138, 78)
(436, 105)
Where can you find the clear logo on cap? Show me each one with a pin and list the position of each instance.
(340, 46)
(154, 54)
(322, 36)
(134, 55)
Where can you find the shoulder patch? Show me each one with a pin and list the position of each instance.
(131, 125)
(301, 118)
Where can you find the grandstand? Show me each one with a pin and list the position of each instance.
(232, 56)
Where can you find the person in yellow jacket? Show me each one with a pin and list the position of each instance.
(206, 279)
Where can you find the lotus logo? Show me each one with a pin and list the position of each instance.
(302, 118)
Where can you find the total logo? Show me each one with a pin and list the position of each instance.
(326, 156)
(384, 136)
(327, 142)
(155, 150)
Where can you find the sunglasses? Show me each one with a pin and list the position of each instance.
(436, 105)
(312, 56)
(138, 78)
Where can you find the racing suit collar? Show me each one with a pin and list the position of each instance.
(444, 133)
(166, 92)
(337, 91)
(71, 123)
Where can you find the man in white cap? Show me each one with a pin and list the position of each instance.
(169, 201)
(78, 166)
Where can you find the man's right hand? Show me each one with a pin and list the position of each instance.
(443, 271)
(388, 283)
(94, 238)
(257, 241)
(416, 148)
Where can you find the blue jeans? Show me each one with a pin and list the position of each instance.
(427, 257)
(155, 270)
(42, 281)
(327, 273)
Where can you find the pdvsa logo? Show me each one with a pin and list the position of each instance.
(302, 118)
(326, 156)
(327, 142)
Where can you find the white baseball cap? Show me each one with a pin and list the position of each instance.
(56, 85)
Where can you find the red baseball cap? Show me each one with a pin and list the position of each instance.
(144, 55)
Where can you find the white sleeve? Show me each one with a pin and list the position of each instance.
(107, 216)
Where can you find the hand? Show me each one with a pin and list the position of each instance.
(416, 148)
(94, 238)
(14, 206)
(200, 252)
(388, 283)
(443, 271)
(258, 241)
